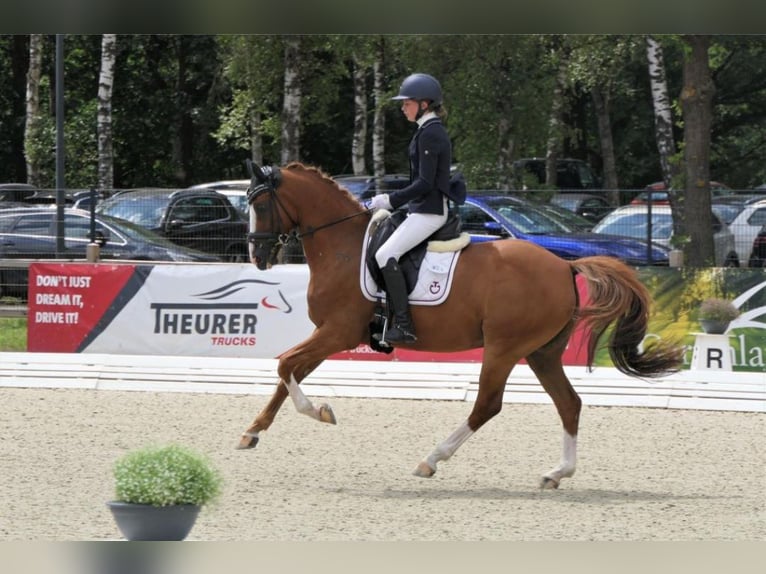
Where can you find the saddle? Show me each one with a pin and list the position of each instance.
(445, 243)
(411, 261)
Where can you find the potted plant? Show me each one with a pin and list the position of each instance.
(715, 314)
(159, 492)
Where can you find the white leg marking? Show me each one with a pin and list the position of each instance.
(446, 449)
(566, 467)
(302, 403)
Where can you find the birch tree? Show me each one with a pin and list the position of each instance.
(291, 104)
(379, 118)
(104, 121)
(32, 126)
(663, 112)
(359, 138)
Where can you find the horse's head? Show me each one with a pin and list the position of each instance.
(270, 223)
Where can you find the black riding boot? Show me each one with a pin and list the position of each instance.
(402, 331)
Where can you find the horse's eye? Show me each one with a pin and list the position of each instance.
(260, 207)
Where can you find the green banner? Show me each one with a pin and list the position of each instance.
(677, 295)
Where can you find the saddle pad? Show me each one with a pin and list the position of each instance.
(434, 280)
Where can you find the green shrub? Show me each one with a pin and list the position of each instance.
(164, 476)
(715, 309)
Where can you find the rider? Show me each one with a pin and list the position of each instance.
(430, 153)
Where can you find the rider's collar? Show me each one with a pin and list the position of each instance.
(425, 117)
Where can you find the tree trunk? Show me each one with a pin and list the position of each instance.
(104, 121)
(601, 103)
(184, 132)
(555, 122)
(359, 137)
(256, 138)
(379, 120)
(505, 152)
(697, 105)
(291, 106)
(663, 113)
(32, 126)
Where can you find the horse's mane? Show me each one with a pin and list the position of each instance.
(296, 165)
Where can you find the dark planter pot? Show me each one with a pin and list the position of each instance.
(146, 522)
(714, 327)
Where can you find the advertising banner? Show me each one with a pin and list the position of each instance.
(235, 310)
(199, 310)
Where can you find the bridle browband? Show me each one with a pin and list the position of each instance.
(267, 179)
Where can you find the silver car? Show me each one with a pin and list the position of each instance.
(632, 220)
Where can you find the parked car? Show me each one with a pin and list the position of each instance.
(657, 193)
(591, 207)
(199, 219)
(570, 219)
(488, 218)
(365, 186)
(571, 174)
(29, 194)
(745, 215)
(234, 189)
(633, 220)
(758, 253)
(30, 233)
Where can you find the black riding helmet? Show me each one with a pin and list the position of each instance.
(420, 87)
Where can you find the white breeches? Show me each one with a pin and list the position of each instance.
(414, 229)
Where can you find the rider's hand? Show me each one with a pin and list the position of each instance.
(380, 202)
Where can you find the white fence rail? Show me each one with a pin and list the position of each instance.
(704, 390)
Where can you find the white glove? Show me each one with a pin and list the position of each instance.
(380, 202)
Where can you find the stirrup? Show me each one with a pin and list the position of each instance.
(398, 334)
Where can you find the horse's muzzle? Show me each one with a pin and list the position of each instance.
(262, 247)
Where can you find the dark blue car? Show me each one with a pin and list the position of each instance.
(487, 218)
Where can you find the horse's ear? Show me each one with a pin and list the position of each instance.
(255, 171)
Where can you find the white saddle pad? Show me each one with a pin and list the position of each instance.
(436, 272)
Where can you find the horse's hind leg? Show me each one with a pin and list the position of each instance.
(489, 401)
(546, 364)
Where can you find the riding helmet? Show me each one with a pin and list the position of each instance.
(420, 87)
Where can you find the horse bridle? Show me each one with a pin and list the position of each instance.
(267, 179)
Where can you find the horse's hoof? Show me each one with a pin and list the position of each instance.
(424, 470)
(326, 415)
(549, 483)
(247, 441)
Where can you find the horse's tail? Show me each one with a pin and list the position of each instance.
(616, 294)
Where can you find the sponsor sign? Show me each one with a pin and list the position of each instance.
(198, 310)
(235, 310)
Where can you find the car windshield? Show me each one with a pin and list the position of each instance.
(136, 232)
(527, 218)
(146, 211)
(568, 218)
(634, 225)
(354, 186)
(726, 212)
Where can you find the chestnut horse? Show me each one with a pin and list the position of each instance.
(513, 298)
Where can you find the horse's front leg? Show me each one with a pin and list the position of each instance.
(249, 438)
(295, 365)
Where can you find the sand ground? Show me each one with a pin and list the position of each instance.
(643, 474)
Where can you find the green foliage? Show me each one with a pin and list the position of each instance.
(184, 107)
(13, 334)
(163, 476)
